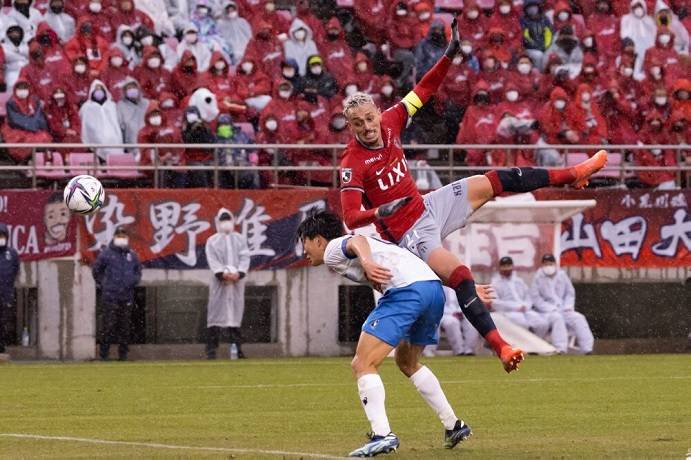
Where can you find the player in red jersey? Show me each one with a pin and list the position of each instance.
(374, 174)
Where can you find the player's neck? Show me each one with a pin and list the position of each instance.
(378, 145)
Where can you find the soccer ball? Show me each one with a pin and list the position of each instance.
(84, 194)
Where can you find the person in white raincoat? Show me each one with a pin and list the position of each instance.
(229, 260)
(99, 116)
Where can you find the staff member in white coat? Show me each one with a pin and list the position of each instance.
(229, 260)
(553, 292)
(461, 335)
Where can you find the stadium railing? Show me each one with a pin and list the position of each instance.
(37, 170)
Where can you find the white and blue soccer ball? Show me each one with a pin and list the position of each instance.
(84, 194)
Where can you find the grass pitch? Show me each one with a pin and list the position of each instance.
(562, 406)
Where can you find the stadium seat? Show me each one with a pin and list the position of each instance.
(52, 174)
(121, 159)
(80, 163)
(247, 128)
(454, 5)
(344, 3)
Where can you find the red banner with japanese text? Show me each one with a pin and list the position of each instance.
(38, 223)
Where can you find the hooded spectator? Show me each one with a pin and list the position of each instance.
(654, 132)
(158, 12)
(589, 46)
(229, 133)
(369, 14)
(168, 49)
(336, 52)
(619, 114)
(506, 18)
(593, 77)
(305, 130)
(681, 97)
(186, 78)
(40, 75)
(454, 93)
(403, 31)
(492, 74)
(221, 84)
(252, 85)
(566, 47)
(431, 48)
(318, 76)
(563, 15)
(425, 15)
(362, 74)
(151, 75)
(159, 130)
(126, 42)
(665, 53)
(87, 42)
(658, 101)
(537, 31)
(472, 23)
(62, 116)
(605, 27)
(386, 95)
(99, 120)
(23, 14)
(289, 71)
(264, 49)
(498, 44)
(300, 45)
(203, 18)
(305, 14)
(98, 14)
(192, 43)
(680, 132)
(79, 81)
(197, 131)
(125, 13)
(468, 56)
(282, 105)
(479, 123)
(26, 121)
(528, 80)
(337, 132)
(666, 18)
(271, 131)
(58, 20)
(558, 122)
(53, 53)
(15, 55)
(641, 29)
(516, 126)
(171, 111)
(131, 109)
(116, 73)
(318, 106)
(267, 13)
(585, 108)
(235, 30)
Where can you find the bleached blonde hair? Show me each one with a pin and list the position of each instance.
(356, 100)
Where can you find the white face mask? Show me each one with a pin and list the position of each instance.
(505, 9)
(285, 94)
(588, 42)
(300, 34)
(271, 125)
(628, 71)
(95, 7)
(270, 7)
(656, 152)
(664, 39)
(80, 68)
(316, 69)
(559, 104)
(350, 90)
(247, 67)
(524, 68)
(191, 38)
(232, 14)
(289, 72)
(563, 15)
(148, 40)
(127, 40)
(660, 100)
(362, 66)
(120, 242)
(22, 93)
(401, 12)
(457, 60)
(424, 16)
(339, 123)
(3, 242)
(387, 90)
(638, 11)
(656, 71)
(585, 97)
(473, 14)
(154, 63)
(467, 49)
(116, 61)
(226, 226)
(512, 96)
(168, 104)
(549, 270)
(219, 65)
(191, 117)
(155, 121)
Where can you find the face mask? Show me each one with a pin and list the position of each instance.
(285, 94)
(350, 90)
(3, 242)
(80, 68)
(588, 42)
(338, 123)
(155, 120)
(524, 68)
(473, 14)
(627, 71)
(289, 72)
(316, 69)
(191, 38)
(656, 71)
(656, 152)
(271, 125)
(656, 125)
(425, 15)
(203, 11)
(532, 10)
(300, 34)
(191, 117)
(95, 7)
(116, 61)
(585, 97)
(489, 64)
(127, 40)
(57, 9)
(588, 71)
(664, 39)
(661, 100)
(512, 96)
(270, 7)
(549, 270)
(22, 93)
(563, 15)
(59, 99)
(457, 60)
(132, 93)
(121, 242)
(147, 41)
(232, 14)
(505, 9)
(401, 12)
(247, 67)
(638, 11)
(225, 131)
(225, 226)
(168, 104)
(603, 7)
(219, 65)
(387, 90)
(362, 66)
(559, 104)
(99, 95)
(154, 63)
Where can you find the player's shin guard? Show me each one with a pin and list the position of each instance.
(522, 180)
(473, 309)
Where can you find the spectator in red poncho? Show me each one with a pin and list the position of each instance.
(267, 14)
(125, 13)
(563, 15)
(472, 23)
(591, 76)
(171, 110)
(305, 130)
(87, 42)
(53, 53)
(558, 121)
(362, 74)
(62, 115)
(653, 132)
(681, 97)
(658, 102)
(26, 121)
(385, 96)
(680, 131)
(454, 93)
(150, 73)
(337, 132)
(98, 13)
(186, 78)
(506, 18)
(403, 22)
(272, 131)
(656, 77)
(479, 123)
(528, 80)
(664, 52)
(425, 16)
(605, 26)
(158, 130)
(372, 16)
(282, 105)
(116, 72)
(629, 87)
(38, 73)
(587, 113)
(319, 106)
(337, 54)
(221, 84)
(619, 114)
(492, 74)
(78, 81)
(252, 85)
(303, 12)
(265, 49)
(516, 126)
(591, 52)
(500, 47)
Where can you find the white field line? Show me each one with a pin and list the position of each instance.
(153, 445)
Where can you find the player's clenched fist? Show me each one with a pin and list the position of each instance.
(391, 207)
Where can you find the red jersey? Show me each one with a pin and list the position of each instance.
(382, 175)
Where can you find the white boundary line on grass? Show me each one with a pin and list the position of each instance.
(166, 446)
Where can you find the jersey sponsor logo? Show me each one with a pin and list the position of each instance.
(379, 171)
(394, 176)
(369, 161)
(346, 175)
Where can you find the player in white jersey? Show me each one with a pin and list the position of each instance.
(406, 319)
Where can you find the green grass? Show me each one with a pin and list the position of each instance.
(563, 406)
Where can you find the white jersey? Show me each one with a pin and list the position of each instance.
(405, 267)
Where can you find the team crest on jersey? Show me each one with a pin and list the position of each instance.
(346, 175)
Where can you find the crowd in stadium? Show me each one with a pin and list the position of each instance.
(533, 72)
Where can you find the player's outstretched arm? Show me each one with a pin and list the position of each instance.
(355, 217)
(358, 246)
(431, 81)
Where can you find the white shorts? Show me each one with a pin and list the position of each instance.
(446, 210)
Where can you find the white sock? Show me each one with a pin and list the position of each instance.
(429, 388)
(372, 396)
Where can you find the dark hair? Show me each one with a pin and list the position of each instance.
(321, 223)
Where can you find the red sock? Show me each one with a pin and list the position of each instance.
(561, 176)
(496, 341)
